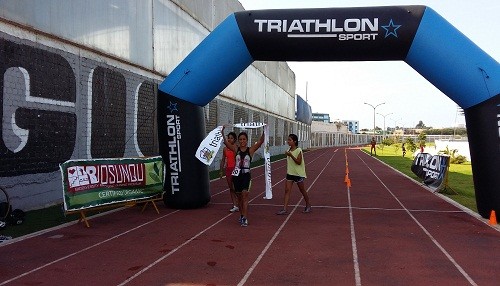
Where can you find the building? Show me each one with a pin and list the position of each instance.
(352, 126)
(83, 84)
(337, 127)
(322, 117)
(86, 86)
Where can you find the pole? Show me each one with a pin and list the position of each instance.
(374, 107)
(384, 120)
(306, 91)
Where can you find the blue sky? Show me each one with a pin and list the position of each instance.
(334, 87)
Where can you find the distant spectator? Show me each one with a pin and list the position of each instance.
(373, 143)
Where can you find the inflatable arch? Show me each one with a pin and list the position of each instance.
(414, 34)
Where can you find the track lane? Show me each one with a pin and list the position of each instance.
(309, 244)
(415, 255)
(217, 266)
(65, 250)
(464, 237)
(207, 246)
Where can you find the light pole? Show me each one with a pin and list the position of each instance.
(374, 107)
(395, 121)
(384, 120)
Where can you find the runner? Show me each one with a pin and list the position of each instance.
(241, 175)
(295, 172)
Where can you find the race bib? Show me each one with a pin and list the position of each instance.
(236, 172)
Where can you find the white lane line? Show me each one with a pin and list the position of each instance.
(266, 248)
(450, 258)
(172, 251)
(357, 274)
(184, 244)
(84, 249)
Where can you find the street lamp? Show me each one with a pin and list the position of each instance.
(384, 119)
(396, 122)
(374, 107)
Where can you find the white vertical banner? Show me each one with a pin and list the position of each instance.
(267, 164)
(210, 146)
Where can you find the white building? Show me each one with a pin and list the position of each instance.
(336, 127)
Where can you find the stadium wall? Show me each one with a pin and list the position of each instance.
(77, 87)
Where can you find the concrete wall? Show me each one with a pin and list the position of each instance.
(76, 86)
(318, 126)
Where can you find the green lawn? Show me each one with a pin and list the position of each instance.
(460, 187)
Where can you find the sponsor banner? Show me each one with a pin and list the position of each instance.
(432, 169)
(211, 144)
(330, 33)
(249, 125)
(96, 182)
(483, 130)
(181, 127)
(267, 165)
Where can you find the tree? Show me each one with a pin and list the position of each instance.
(339, 125)
(420, 125)
(422, 138)
(410, 145)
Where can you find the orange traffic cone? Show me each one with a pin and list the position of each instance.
(346, 178)
(493, 218)
(348, 183)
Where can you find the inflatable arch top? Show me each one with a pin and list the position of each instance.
(414, 34)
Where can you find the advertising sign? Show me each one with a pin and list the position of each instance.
(431, 169)
(96, 182)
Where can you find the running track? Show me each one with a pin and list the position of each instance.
(384, 229)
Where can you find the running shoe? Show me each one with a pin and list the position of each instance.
(244, 222)
(307, 210)
(234, 209)
(282, 212)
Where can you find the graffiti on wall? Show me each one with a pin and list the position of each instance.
(56, 106)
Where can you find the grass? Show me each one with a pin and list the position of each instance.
(459, 181)
(460, 187)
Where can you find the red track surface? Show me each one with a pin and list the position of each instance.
(383, 230)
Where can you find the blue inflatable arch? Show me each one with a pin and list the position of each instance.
(414, 34)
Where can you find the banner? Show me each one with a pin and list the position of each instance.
(181, 127)
(267, 165)
(96, 182)
(304, 111)
(432, 169)
(211, 144)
